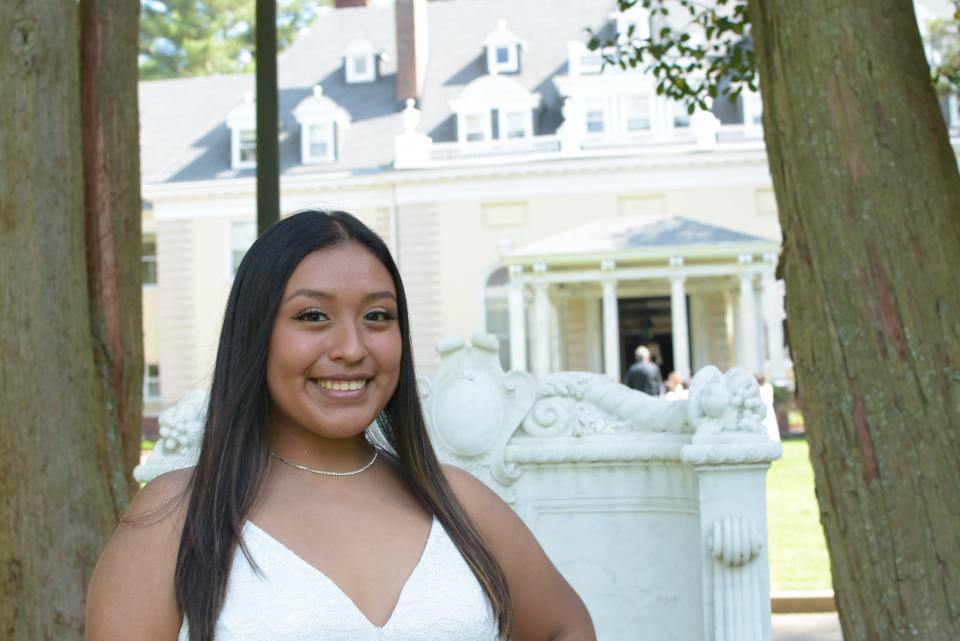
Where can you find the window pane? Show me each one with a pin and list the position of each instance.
(503, 55)
(149, 260)
(498, 324)
(680, 116)
(319, 141)
(474, 126)
(151, 382)
(516, 125)
(248, 145)
(360, 65)
(595, 120)
(636, 111)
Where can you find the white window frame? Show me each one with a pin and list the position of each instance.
(504, 128)
(151, 382)
(367, 75)
(239, 145)
(592, 108)
(752, 108)
(149, 259)
(627, 116)
(307, 140)
(512, 65)
(484, 131)
(679, 110)
(232, 259)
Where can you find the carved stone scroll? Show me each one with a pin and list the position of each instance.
(473, 408)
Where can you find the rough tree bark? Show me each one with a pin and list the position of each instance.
(71, 367)
(869, 199)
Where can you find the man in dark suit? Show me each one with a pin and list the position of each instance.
(644, 375)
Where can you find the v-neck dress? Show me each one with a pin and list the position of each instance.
(293, 601)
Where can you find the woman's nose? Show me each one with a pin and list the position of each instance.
(348, 343)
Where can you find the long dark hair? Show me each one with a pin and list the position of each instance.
(234, 452)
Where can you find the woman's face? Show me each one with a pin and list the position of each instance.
(334, 357)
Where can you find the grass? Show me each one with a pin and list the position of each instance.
(798, 551)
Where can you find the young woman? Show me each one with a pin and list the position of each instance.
(294, 526)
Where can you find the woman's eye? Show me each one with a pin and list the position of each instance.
(310, 315)
(380, 316)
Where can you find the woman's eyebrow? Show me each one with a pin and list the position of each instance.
(314, 293)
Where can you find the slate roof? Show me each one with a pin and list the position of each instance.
(631, 233)
(184, 135)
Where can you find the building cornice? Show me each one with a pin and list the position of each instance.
(749, 156)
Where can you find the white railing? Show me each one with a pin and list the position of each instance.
(452, 151)
(739, 133)
(654, 510)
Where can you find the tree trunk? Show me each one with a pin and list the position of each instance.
(70, 376)
(869, 199)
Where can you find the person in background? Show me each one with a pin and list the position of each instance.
(644, 375)
(675, 387)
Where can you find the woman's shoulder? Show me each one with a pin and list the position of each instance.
(167, 492)
(484, 507)
(132, 585)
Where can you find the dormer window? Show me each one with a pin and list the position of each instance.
(634, 21)
(242, 122)
(360, 62)
(503, 50)
(494, 108)
(321, 121)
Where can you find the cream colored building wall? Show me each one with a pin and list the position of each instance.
(209, 291)
(151, 325)
(176, 313)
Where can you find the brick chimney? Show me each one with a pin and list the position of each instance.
(411, 19)
(342, 4)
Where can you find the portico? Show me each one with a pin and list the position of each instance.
(695, 293)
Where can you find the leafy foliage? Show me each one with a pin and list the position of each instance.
(698, 50)
(202, 37)
(945, 51)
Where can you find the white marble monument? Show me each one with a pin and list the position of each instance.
(654, 510)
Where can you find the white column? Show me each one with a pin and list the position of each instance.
(747, 318)
(541, 326)
(678, 320)
(773, 318)
(594, 341)
(611, 325)
(518, 326)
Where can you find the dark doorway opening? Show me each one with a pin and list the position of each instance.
(646, 321)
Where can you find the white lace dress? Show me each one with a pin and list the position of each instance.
(293, 601)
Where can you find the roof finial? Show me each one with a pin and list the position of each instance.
(502, 24)
(317, 91)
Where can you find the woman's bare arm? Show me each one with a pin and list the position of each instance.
(545, 607)
(131, 595)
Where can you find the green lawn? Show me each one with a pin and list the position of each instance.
(798, 552)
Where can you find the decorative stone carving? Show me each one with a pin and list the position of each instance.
(737, 610)
(735, 541)
(181, 428)
(723, 403)
(581, 404)
(473, 407)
